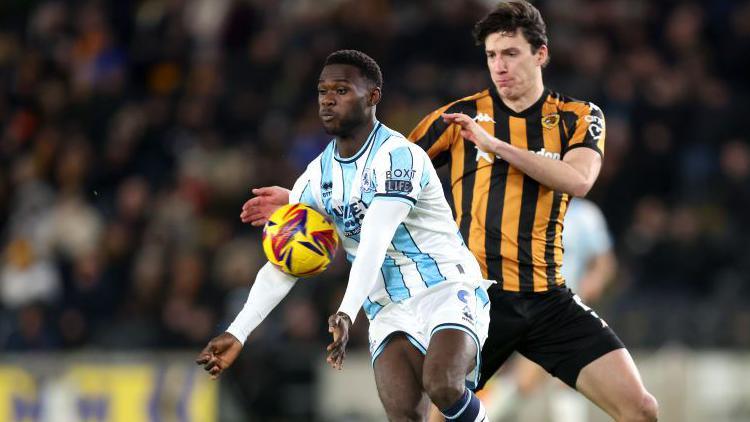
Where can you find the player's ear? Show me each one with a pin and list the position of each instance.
(542, 55)
(375, 96)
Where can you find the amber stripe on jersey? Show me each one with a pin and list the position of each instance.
(511, 223)
(549, 204)
(479, 191)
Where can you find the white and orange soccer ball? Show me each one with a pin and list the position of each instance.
(299, 240)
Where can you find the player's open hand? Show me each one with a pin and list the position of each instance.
(219, 354)
(338, 325)
(472, 131)
(267, 199)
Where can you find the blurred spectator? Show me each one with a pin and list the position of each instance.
(131, 132)
(25, 278)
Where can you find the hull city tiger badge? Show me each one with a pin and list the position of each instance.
(551, 120)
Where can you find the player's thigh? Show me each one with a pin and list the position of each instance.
(451, 355)
(457, 317)
(565, 335)
(398, 377)
(613, 383)
(506, 330)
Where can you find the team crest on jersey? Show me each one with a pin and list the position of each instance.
(551, 120)
(368, 182)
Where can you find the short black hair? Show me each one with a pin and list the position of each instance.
(366, 64)
(509, 16)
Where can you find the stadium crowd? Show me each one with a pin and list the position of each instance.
(132, 131)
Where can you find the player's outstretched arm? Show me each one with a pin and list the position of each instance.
(574, 175)
(270, 287)
(378, 227)
(267, 199)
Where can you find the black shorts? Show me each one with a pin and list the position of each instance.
(551, 328)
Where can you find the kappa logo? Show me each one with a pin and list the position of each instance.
(485, 156)
(589, 310)
(483, 117)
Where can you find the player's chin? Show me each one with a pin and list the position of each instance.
(509, 92)
(331, 128)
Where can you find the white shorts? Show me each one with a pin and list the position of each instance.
(455, 305)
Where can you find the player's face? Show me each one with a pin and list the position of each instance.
(344, 98)
(514, 69)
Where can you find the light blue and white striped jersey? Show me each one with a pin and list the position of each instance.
(427, 247)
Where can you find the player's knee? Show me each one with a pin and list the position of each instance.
(441, 388)
(646, 409)
(649, 408)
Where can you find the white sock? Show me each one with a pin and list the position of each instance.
(482, 416)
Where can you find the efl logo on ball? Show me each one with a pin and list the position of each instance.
(299, 240)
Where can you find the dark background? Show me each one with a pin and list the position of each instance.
(131, 132)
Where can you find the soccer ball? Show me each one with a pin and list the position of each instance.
(299, 240)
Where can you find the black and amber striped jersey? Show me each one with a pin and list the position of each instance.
(511, 222)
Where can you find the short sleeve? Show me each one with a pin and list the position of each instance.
(398, 174)
(435, 136)
(590, 129)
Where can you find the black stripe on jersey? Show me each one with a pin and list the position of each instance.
(470, 171)
(529, 199)
(567, 130)
(493, 219)
(396, 195)
(431, 136)
(549, 244)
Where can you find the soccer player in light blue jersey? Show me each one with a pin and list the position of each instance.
(517, 153)
(420, 287)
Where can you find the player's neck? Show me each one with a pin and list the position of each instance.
(523, 102)
(348, 145)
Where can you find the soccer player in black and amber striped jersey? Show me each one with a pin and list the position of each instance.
(511, 222)
(517, 152)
